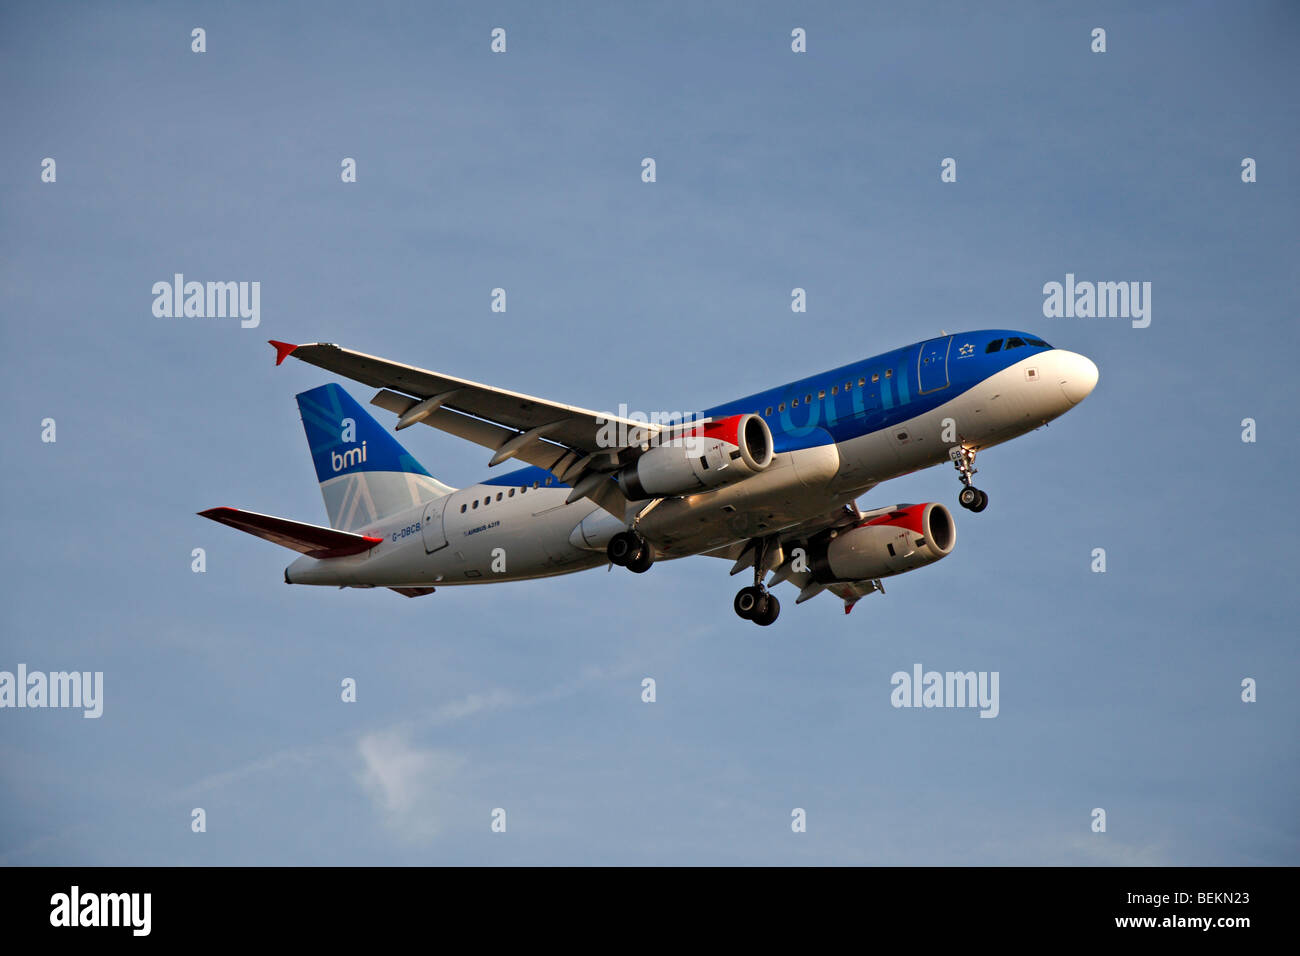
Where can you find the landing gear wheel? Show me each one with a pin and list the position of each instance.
(970, 497)
(641, 560)
(747, 602)
(622, 548)
(770, 610)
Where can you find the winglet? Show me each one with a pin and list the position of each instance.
(282, 350)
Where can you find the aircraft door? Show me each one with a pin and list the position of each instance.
(932, 365)
(435, 536)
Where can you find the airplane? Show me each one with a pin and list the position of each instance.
(769, 481)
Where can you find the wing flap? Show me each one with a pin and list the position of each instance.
(536, 451)
(312, 540)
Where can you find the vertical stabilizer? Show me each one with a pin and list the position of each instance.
(364, 472)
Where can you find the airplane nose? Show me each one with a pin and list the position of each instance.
(1077, 375)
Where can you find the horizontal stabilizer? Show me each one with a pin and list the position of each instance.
(309, 539)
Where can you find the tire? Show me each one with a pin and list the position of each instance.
(969, 497)
(981, 504)
(641, 561)
(771, 611)
(746, 603)
(621, 548)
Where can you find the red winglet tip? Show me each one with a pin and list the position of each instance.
(282, 350)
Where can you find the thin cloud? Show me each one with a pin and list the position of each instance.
(407, 784)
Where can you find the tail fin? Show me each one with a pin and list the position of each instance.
(364, 473)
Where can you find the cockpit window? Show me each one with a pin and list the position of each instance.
(1015, 343)
(993, 346)
(1039, 342)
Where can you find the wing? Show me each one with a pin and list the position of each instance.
(781, 560)
(579, 446)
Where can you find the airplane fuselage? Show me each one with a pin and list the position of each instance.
(835, 436)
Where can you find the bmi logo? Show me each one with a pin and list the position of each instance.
(353, 456)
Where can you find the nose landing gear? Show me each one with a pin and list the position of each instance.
(970, 497)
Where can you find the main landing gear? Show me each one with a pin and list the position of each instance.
(756, 603)
(629, 550)
(970, 497)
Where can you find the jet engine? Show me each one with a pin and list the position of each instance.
(719, 452)
(903, 539)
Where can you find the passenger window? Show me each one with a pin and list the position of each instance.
(875, 377)
(781, 407)
(768, 412)
(835, 389)
(821, 394)
(794, 403)
(536, 483)
(487, 501)
(848, 385)
(498, 496)
(476, 503)
(512, 493)
(807, 399)
(889, 373)
(462, 508)
(549, 480)
(993, 346)
(1015, 343)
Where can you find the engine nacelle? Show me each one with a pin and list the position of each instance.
(715, 453)
(905, 538)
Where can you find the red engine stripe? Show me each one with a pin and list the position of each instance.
(912, 518)
(724, 429)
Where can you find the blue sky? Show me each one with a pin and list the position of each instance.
(775, 170)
